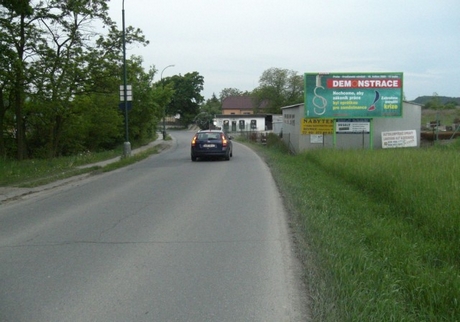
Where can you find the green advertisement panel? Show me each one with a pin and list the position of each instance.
(353, 95)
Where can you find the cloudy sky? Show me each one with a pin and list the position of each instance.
(231, 43)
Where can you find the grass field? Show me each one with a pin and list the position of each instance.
(380, 230)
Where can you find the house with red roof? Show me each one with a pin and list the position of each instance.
(243, 114)
(242, 105)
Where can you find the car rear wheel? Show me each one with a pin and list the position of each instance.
(193, 158)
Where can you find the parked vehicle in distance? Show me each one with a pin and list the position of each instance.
(211, 143)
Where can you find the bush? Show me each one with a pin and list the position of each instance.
(275, 142)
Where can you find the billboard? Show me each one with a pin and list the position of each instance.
(353, 95)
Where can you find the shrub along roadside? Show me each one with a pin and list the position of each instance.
(382, 229)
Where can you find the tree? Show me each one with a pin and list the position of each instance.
(450, 105)
(280, 87)
(226, 92)
(207, 113)
(53, 57)
(148, 99)
(18, 6)
(187, 96)
(6, 98)
(434, 103)
(60, 71)
(18, 37)
(212, 105)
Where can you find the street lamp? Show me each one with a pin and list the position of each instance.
(127, 145)
(164, 106)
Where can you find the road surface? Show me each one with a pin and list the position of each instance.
(166, 239)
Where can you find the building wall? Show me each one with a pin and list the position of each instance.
(234, 122)
(236, 112)
(411, 120)
(293, 115)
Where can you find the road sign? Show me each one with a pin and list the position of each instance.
(129, 93)
(122, 106)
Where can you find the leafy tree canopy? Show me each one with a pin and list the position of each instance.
(52, 62)
(20, 7)
(187, 96)
(208, 110)
(226, 92)
(280, 87)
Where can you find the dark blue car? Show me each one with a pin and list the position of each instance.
(211, 143)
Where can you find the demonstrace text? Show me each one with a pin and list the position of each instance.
(364, 83)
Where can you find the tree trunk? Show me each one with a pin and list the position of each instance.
(56, 133)
(2, 120)
(20, 127)
(19, 94)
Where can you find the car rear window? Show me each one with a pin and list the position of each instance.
(208, 136)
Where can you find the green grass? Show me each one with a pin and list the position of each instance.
(32, 173)
(380, 229)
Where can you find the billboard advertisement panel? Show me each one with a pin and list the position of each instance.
(353, 95)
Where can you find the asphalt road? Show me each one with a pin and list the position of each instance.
(165, 239)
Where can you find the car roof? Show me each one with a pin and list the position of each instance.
(216, 131)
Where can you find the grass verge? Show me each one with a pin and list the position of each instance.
(380, 230)
(33, 173)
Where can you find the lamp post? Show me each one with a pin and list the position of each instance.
(164, 106)
(127, 145)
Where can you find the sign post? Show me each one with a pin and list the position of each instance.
(126, 97)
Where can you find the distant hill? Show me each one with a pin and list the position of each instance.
(443, 99)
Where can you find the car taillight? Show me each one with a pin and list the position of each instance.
(194, 141)
(224, 141)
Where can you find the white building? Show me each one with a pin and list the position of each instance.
(243, 122)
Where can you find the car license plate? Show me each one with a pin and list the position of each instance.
(209, 145)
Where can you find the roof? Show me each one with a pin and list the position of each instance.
(292, 106)
(241, 103)
(239, 116)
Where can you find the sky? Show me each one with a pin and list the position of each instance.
(231, 43)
